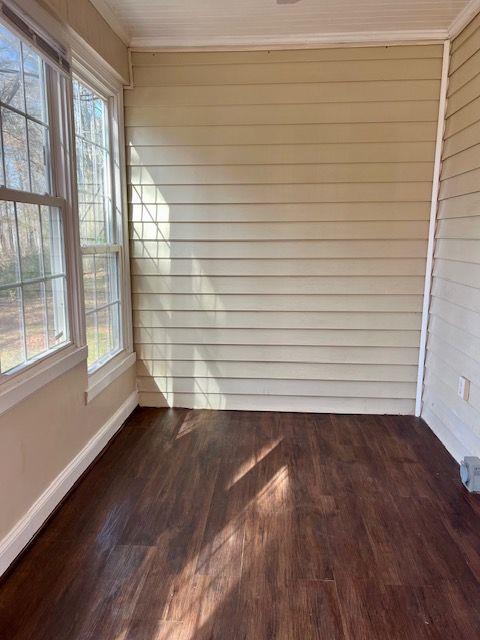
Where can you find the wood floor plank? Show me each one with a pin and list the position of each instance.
(208, 525)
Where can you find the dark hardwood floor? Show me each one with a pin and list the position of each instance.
(198, 525)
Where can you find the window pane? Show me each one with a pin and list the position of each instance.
(38, 152)
(35, 318)
(33, 72)
(85, 99)
(101, 193)
(43, 324)
(114, 312)
(33, 298)
(112, 274)
(89, 282)
(52, 236)
(93, 166)
(29, 233)
(92, 339)
(9, 263)
(97, 226)
(100, 122)
(11, 330)
(11, 85)
(15, 150)
(104, 335)
(56, 311)
(101, 280)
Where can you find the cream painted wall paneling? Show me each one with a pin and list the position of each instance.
(285, 320)
(382, 248)
(314, 267)
(279, 217)
(277, 403)
(255, 154)
(276, 370)
(273, 94)
(281, 134)
(453, 347)
(278, 303)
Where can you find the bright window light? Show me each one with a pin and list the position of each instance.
(33, 284)
(101, 241)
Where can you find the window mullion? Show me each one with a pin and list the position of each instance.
(53, 137)
(102, 307)
(13, 195)
(101, 248)
(12, 285)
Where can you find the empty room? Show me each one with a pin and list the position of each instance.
(239, 319)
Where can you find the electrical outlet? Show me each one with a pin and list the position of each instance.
(463, 388)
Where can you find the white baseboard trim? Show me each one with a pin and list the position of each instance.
(21, 534)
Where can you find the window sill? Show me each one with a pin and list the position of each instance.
(100, 379)
(13, 391)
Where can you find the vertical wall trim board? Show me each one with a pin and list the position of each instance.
(442, 108)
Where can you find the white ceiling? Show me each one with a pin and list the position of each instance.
(227, 23)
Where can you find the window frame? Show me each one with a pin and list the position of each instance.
(90, 67)
(97, 76)
(23, 380)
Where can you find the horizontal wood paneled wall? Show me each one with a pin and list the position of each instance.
(279, 221)
(453, 347)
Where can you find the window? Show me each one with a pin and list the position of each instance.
(100, 220)
(33, 279)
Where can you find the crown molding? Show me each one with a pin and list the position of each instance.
(300, 41)
(465, 16)
(297, 41)
(116, 24)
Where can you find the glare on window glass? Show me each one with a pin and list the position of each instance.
(93, 166)
(33, 292)
(23, 116)
(97, 231)
(11, 82)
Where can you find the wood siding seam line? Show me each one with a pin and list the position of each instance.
(432, 226)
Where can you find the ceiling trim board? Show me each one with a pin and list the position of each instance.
(116, 24)
(465, 16)
(299, 41)
(366, 38)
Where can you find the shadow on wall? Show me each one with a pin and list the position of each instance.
(313, 304)
(163, 273)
